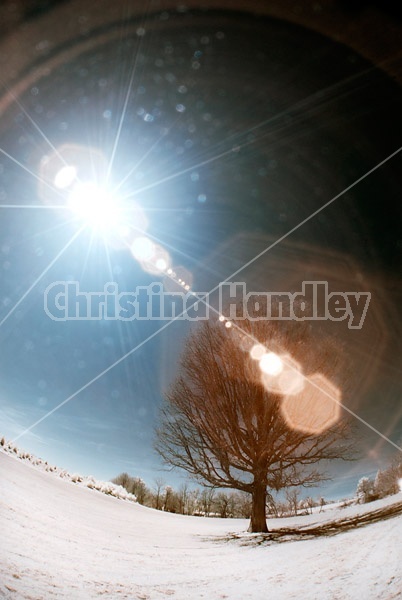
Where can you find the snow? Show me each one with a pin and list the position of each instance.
(62, 540)
(106, 487)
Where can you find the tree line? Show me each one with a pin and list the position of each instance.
(211, 502)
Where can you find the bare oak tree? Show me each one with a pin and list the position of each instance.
(220, 424)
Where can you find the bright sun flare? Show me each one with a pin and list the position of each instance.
(94, 205)
(271, 364)
(143, 249)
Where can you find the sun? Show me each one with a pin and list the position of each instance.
(97, 207)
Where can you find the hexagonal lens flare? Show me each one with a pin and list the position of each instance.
(316, 408)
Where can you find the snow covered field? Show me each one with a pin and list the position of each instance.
(60, 540)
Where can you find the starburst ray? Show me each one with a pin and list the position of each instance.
(33, 122)
(145, 156)
(42, 274)
(31, 173)
(126, 101)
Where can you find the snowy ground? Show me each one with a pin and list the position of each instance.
(105, 487)
(60, 540)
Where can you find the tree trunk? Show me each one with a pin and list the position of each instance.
(258, 523)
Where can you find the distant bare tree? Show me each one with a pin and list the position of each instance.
(292, 499)
(222, 503)
(309, 503)
(387, 482)
(366, 491)
(169, 498)
(221, 425)
(192, 501)
(272, 506)
(182, 499)
(158, 487)
(124, 480)
(322, 503)
(139, 489)
(243, 505)
(206, 500)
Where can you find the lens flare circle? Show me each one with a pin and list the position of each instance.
(158, 263)
(257, 351)
(286, 379)
(161, 264)
(271, 363)
(153, 258)
(143, 248)
(178, 279)
(67, 165)
(291, 379)
(65, 177)
(316, 408)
